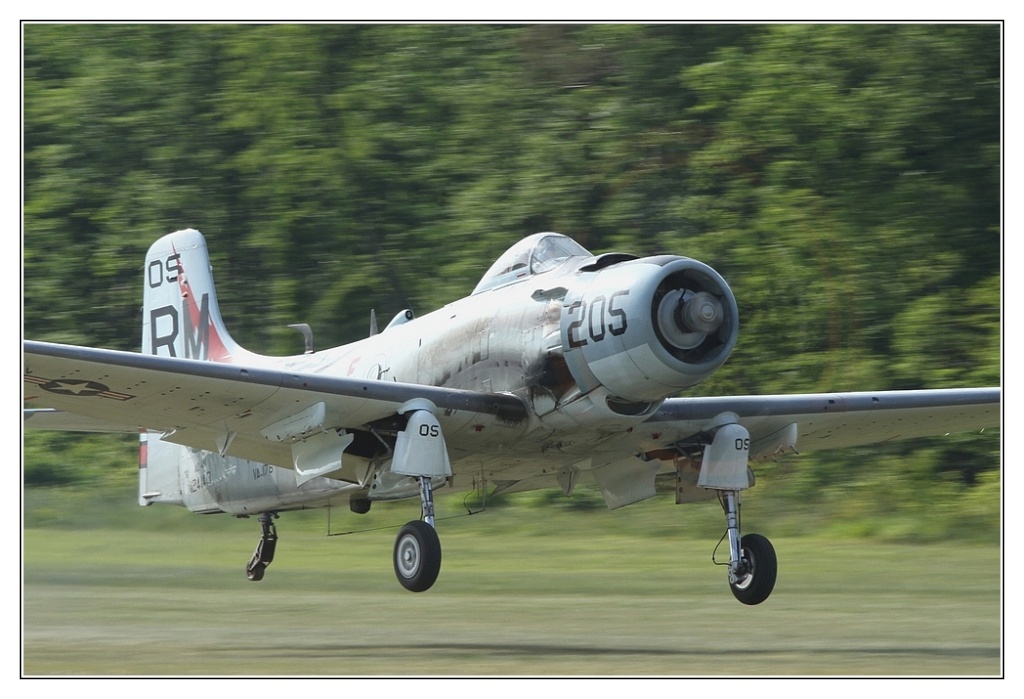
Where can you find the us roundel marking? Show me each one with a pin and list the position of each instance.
(77, 387)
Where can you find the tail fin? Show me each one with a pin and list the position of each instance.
(180, 315)
(180, 318)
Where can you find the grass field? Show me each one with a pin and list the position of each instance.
(551, 592)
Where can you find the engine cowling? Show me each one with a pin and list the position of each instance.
(645, 329)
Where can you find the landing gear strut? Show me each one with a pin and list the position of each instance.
(264, 553)
(753, 565)
(417, 554)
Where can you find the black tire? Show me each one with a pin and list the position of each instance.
(255, 572)
(758, 583)
(417, 556)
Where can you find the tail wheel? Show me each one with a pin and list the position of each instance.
(264, 553)
(255, 571)
(417, 556)
(762, 568)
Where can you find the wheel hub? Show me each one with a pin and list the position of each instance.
(408, 556)
(743, 575)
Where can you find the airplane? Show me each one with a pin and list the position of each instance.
(560, 366)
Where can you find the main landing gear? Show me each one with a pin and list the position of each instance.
(753, 565)
(417, 554)
(420, 453)
(264, 553)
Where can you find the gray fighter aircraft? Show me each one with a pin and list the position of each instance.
(559, 366)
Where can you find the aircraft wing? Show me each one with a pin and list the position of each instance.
(837, 420)
(225, 407)
(675, 436)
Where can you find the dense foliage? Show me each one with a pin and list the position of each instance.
(845, 179)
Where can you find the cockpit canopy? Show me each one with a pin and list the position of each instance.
(535, 254)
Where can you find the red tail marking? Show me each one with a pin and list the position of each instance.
(217, 351)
